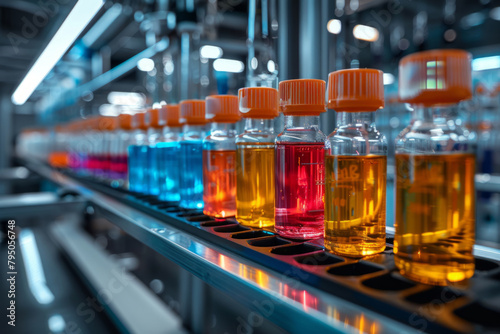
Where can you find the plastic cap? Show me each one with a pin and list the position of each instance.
(138, 121)
(480, 89)
(302, 97)
(222, 108)
(153, 119)
(495, 91)
(356, 90)
(106, 123)
(258, 102)
(435, 77)
(193, 112)
(125, 121)
(171, 115)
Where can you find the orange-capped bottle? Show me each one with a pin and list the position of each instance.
(191, 153)
(356, 165)
(138, 154)
(119, 154)
(219, 156)
(168, 153)
(435, 165)
(255, 157)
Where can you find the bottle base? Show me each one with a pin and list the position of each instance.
(299, 232)
(260, 223)
(191, 205)
(355, 250)
(434, 274)
(169, 198)
(219, 214)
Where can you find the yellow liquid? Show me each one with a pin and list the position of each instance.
(435, 217)
(255, 184)
(355, 204)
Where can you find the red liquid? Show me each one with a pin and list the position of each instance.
(93, 163)
(119, 166)
(300, 173)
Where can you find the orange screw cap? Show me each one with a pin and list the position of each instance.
(435, 77)
(356, 90)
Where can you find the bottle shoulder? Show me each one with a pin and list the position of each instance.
(311, 135)
(256, 137)
(356, 141)
(356, 134)
(424, 137)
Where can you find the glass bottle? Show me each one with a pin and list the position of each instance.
(190, 157)
(356, 165)
(255, 157)
(219, 156)
(154, 133)
(107, 126)
(300, 153)
(137, 155)
(168, 154)
(435, 165)
(119, 154)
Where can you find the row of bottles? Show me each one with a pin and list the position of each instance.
(308, 185)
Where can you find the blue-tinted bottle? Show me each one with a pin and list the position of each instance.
(190, 157)
(138, 156)
(155, 132)
(167, 151)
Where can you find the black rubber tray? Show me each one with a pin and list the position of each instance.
(373, 282)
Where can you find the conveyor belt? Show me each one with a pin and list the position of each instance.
(372, 283)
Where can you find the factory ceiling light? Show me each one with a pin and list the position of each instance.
(146, 64)
(210, 52)
(77, 20)
(486, 63)
(334, 26)
(229, 65)
(388, 79)
(365, 33)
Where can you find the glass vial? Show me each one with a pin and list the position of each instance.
(356, 165)
(154, 133)
(300, 153)
(219, 156)
(119, 154)
(190, 157)
(255, 157)
(435, 164)
(167, 151)
(138, 155)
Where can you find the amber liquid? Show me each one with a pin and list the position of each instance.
(355, 201)
(59, 159)
(219, 183)
(435, 217)
(255, 184)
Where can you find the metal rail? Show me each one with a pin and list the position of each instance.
(267, 293)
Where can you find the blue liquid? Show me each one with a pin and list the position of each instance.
(153, 175)
(168, 171)
(137, 168)
(191, 176)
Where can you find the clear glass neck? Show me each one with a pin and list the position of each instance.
(303, 122)
(222, 127)
(434, 113)
(259, 124)
(193, 128)
(172, 129)
(356, 119)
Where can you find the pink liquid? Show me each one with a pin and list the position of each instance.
(300, 173)
(119, 166)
